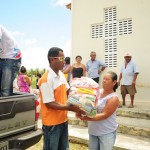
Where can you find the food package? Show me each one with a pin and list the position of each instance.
(84, 92)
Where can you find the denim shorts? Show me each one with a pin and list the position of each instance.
(8, 71)
(104, 142)
(56, 137)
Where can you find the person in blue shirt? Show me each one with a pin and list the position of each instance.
(94, 67)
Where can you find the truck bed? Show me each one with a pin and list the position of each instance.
(17, 114)
(18, 121)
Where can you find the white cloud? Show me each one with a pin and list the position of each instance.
(31, 41)
(60, 2)
(34, 58)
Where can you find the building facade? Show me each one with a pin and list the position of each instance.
(111, 28)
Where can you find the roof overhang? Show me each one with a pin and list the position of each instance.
(68, 6)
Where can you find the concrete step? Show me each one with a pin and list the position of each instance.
(130, 126)
(79, 134)
(136, 112)
(134, 126)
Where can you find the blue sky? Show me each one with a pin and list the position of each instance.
(37, 25)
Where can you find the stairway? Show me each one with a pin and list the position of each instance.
(133, 131)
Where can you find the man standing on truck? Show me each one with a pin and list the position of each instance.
(53, 94)
(10, 61)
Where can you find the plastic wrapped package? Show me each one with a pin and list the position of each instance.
(84, 92)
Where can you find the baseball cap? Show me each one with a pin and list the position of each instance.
(127, 54)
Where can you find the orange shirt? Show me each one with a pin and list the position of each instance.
(53, 88)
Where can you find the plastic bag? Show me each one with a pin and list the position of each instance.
(84, 92)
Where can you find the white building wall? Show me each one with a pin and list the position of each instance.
(88, 12)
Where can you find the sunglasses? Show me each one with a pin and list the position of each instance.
(60, 58)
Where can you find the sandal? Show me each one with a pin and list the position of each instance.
(130, 106)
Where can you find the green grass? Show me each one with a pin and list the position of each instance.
(33, 82)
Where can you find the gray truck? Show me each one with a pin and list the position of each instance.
(18, 121)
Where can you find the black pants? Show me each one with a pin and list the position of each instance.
(96, 79)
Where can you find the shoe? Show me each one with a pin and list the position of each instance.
(130, 106)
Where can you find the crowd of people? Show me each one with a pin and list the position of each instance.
(54, 89)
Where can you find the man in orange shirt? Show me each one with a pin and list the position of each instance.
(53, 94)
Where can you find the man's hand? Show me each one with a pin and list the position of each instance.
(77, 109)
(99, 71)
(133, 83)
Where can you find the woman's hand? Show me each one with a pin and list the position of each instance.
(82, 117)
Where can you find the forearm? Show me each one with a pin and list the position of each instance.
(84, 74)
(57, 106)
(120, 77)
(98, 117)
(84, 71)
(67, 70)
(135, 77)
(103, 68)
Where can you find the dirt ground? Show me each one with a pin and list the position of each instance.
(72, 146)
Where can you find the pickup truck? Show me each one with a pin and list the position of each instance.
(18, 121)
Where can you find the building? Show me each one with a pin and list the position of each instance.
(111, 28)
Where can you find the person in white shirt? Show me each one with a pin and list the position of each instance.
(10, 61)
(128, 74)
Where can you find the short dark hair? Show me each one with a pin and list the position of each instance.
(79, 57)
(39, 75)
(53, 52)
(23, 69)
(114, 78)
(67, 60)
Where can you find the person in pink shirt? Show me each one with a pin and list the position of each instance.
(24, 81)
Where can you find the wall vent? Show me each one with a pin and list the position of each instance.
(109, 30)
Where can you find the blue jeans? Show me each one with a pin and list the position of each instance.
(8, 71)
(56, 137)
(104, 142)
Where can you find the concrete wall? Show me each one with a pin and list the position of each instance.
(87, 12)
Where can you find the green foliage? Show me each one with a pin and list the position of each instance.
(33, 72)
(33, 82)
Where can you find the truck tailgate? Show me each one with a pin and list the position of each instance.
(17, 114)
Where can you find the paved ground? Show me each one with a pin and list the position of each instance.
(141, 101)
(143, 94)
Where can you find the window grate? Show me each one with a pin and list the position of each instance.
(97, 30)
(109, 31)
(111, 52)
(125, 27)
